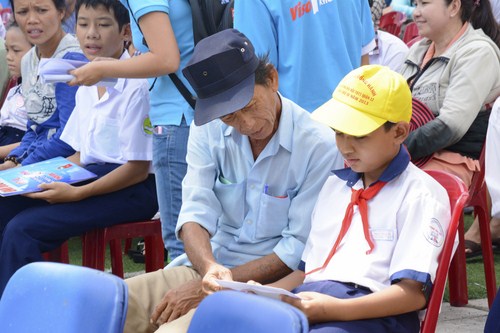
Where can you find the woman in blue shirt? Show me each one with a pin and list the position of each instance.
(162, 31)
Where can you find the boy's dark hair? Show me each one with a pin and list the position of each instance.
(119, 10)
(388, 125)
(263, 70)
(59, 4)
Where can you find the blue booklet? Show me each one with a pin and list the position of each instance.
(25, 179)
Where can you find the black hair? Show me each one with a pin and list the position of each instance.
(263, 71)
(13, 24)
(480, 15)
(119, 10)
(388, 125)
(59, 4)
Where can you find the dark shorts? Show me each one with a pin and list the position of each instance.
(405, 323)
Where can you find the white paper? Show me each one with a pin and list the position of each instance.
(52, 70)
(267, 291)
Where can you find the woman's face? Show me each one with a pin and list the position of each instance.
(40, 21)
(433, 16)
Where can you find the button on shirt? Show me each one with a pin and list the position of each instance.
(253, 208)
(408, 221)
(114, 128)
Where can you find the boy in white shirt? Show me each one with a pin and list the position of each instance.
(379, 225)
(109, 130)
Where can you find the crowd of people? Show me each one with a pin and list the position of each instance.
(282, 171)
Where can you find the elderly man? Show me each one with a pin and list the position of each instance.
(256, 163)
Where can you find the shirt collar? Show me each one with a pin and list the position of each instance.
(394, 169)
(120, 82)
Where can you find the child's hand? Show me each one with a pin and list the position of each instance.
(56, 192)
(316, 306)
(7, 165)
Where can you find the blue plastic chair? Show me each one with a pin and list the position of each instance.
(239, 312)
(57, 298)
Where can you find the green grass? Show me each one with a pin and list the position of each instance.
(475, 271)
(75, 256)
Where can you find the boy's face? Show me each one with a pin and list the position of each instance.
(98, 33)
(372, 153)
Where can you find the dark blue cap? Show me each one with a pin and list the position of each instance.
(221, 72)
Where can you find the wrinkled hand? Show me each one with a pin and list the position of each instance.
(56, 192)
(177, 302)
(215, 271)
(314, 305)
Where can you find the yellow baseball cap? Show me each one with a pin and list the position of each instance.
(365, 99)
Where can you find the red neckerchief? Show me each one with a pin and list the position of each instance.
(360, 198)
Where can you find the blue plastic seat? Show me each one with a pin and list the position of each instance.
(238, 312)
(54, 297)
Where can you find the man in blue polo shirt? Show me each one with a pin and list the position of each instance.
(256, 162)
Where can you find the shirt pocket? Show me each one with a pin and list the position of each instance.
(273, 215)
(106, 136)
(228, 193)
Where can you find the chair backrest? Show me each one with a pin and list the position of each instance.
(392, 22)
(458, 194)
(411, 31)
(239, 312)
(10, 84)
(57, 298)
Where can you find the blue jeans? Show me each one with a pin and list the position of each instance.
(169, 163)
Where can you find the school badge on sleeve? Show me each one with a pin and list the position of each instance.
(434, 233)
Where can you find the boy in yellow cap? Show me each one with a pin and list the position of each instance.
(379, 225)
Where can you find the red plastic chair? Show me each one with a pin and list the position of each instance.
(411, 32)
(413, 41)
(392, 22)
(94, 245)
(458, 273)
(58, 255)
(458, 195)
(10, 84)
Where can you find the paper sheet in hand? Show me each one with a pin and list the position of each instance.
(52, 70)
(267, 291)
(25, 179)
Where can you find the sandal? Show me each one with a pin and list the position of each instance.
(474, 248)
(496, 245)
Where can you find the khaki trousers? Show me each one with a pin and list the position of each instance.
(145, 291)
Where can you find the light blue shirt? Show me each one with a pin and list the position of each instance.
(253, 208)
(167, 104)
(404, 6)
(313, 44)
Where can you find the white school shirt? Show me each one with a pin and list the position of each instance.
(391, 51)
(493, 159)
(408, 221)
(114, 128)
(13, 113)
